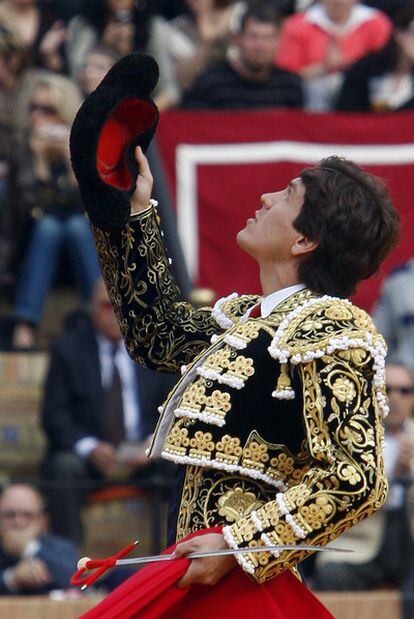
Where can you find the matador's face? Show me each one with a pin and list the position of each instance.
(270, 235)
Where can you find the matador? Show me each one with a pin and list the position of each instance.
(276, 419)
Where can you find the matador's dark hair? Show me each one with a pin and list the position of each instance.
(349, 213)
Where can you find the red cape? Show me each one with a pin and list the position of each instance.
(151, 593)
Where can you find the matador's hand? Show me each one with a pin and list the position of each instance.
(208, 570)
(142, 194)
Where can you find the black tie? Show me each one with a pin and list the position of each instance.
(113, 426)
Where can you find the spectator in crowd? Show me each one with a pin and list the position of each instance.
(99, 410)
(200, 37)
(250, 80)
(383, 544)
(98, 61)
(322, 42)
(41, 34)
(45, 187)
(384, 81)
(124, 26)
(393, 314)
(32, 561)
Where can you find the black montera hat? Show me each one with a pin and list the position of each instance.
(116, 117)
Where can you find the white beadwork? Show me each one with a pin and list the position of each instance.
(235, 342)
(183, 369)
(231, 542)
(285, 394)
(299, 532)
(224, 466)
(284, 510)
(256, 521)
(280, 499)
(274, 350)
(268, 542)
(223, 379)
(224, 321)
(215, 420)
(375, 348)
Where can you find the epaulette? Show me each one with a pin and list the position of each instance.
(228, 311)
(321, 327)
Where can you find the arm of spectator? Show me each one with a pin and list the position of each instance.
(6, 582)
(60, 557)
(51, 45)
(381, 28)
(139, 459)
(102, 455)
(333, 62)
(293, 52)
(85, 446)
(289, 52)
(27, 574)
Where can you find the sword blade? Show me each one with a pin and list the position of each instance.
(230, 551)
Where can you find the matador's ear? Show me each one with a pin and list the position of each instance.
(118, 116)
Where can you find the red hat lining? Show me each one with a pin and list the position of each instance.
(128, 121)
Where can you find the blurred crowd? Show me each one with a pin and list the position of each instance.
(328, 55)
(212, 54)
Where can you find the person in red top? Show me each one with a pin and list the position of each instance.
(327, 38)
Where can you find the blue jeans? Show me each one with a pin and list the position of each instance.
(49, 235)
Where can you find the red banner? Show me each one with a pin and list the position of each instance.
(218, 164)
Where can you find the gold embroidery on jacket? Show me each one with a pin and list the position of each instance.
(340, 480)
(257, 458)
(210, 498)
(344, 435)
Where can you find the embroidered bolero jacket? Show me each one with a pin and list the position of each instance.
(277, 419)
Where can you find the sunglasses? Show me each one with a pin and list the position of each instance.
(47, 110)
(401, 390)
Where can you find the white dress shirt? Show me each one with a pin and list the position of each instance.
(269, 303)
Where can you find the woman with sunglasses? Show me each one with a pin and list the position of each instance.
(49, 192)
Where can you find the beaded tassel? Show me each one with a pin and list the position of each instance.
(284, 389)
